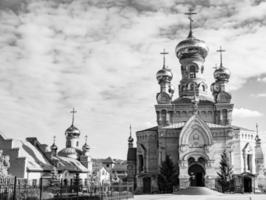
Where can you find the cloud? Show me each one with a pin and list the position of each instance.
(261, 79)
(259, 95)
(246, 113)
(101, 57)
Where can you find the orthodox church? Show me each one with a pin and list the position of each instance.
(32, 160)
(195, 128)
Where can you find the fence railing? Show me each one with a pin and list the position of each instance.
(20, 189)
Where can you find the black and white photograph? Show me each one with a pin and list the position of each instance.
(132, 99)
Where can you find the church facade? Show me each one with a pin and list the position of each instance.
(195, 128)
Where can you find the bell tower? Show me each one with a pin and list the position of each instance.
(164, 77)
(191, 54)
(222, 98)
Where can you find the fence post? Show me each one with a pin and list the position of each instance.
(40, 184)
(15, 187)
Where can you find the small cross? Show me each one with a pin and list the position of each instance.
(163, 53)
(86, 138)
(73, 115)
(54, 139)
(190, 13)
(221, 55)
(130, 129)
(257, 128)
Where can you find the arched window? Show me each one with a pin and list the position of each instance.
(163, 115)
(192, 71)
(141, 167)
(224, 115)
(203, 87)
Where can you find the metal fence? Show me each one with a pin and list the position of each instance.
(12, 188)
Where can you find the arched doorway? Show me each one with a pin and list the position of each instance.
(247, 184)
(196, 173)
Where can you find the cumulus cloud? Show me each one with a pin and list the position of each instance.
(246, 113)
(101, 57)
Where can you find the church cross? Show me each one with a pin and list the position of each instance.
(73, 115)
(257, 128)
(54, 139)
(190, 13)
(130, 129)
(86, 139)
(221, 55)
(163, 53)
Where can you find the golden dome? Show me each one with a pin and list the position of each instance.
(72, 131)
(53, 147)
(222, 74)
(191, 46)
(164, 74)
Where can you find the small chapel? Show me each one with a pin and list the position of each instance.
(195, 128)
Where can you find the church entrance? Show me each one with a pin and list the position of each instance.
(196, 173)
(146, 185)
(247, 184)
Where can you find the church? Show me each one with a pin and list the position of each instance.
(195, 128)
(32, 160)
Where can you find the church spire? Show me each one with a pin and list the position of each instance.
(164, 77)
(130, 138)
(220, 50)
(54, 147)
(257, 138)
(190, 13)
(73, 115)
(164, 53)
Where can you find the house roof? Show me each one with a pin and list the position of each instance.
(70, 164)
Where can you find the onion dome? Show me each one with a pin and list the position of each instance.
(85, 147)
(72, 131)
(191, 46)
(222, 74)
(53, 147)
(130, 139)
(164, 74)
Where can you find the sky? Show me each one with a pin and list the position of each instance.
(101, 57)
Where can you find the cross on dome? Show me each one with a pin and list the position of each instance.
(86, 139)
(221, 55)
(73, 115)
(130, 130)
(190, 13)
(163, 53)
(54, 139)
